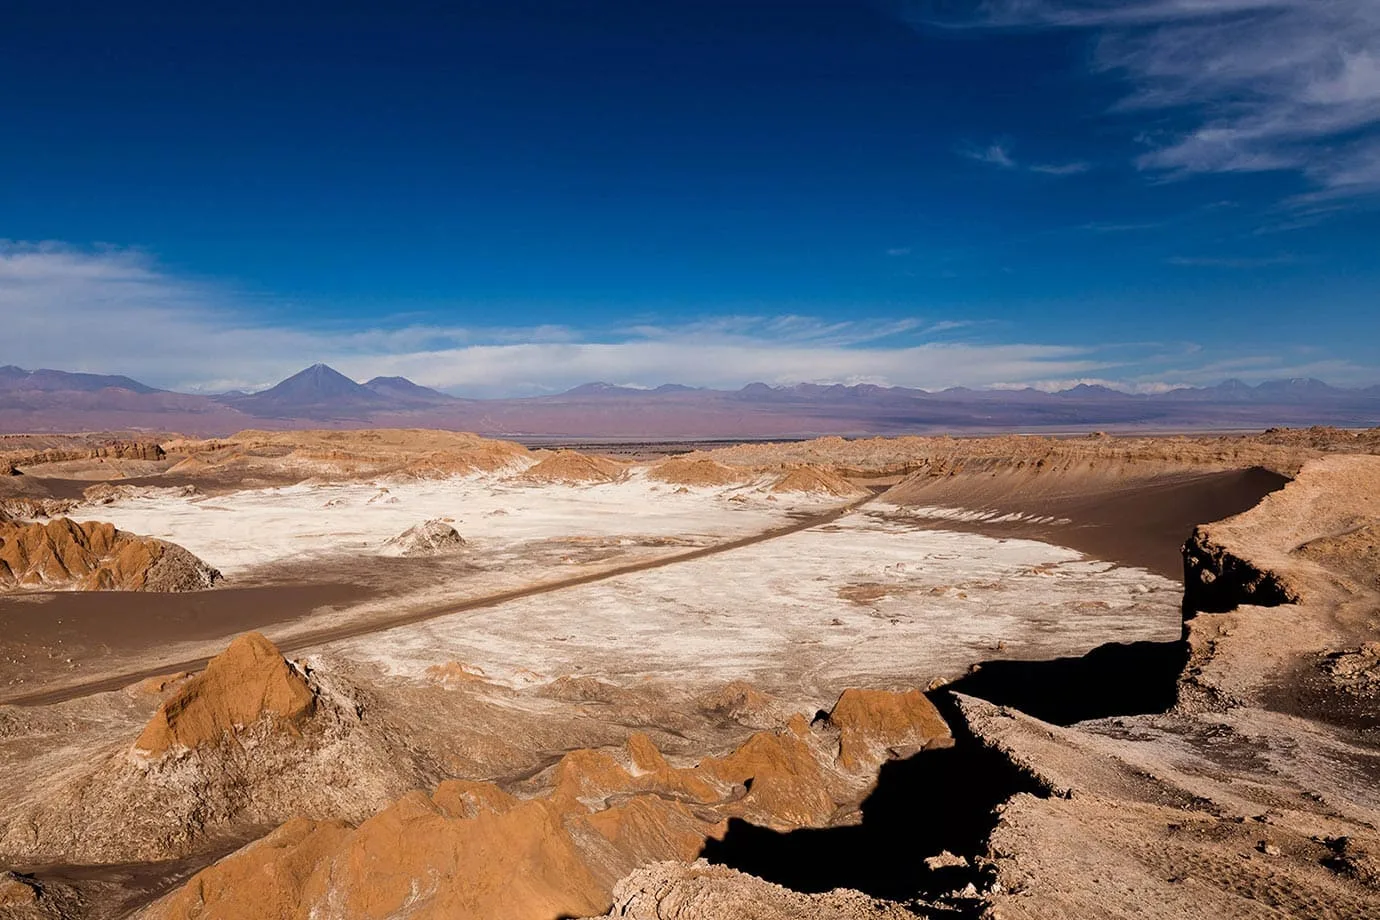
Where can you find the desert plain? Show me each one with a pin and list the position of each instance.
(411, 673)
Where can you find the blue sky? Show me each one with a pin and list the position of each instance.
(516, 197)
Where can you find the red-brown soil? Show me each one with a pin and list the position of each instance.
(65, 555)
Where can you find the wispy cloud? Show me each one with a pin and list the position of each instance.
(1000, 155)
(118, 311)
(1268, 84)
(1232, 262)
(992, 155)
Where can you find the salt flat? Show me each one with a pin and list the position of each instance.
(862, 600)
(240, 531)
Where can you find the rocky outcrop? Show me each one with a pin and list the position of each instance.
(699, 891)
(875, 724)
(111, 450)
(567, 466)
(816, 481)
(246, 683)
(1232, 803)
(475, 850)
(251, 740)
(64, 555)
(18, 891)
(27, 507)
(688, 471)
(107, 493)
(1215, 580)
(432, 538)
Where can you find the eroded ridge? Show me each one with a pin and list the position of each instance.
(1255, 795)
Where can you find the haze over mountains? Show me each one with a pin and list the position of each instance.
(321, 397)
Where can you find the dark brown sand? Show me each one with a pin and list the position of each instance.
(43, 635)
(1140, 522)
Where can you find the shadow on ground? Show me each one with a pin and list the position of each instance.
(945, 799)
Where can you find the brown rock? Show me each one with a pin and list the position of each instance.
(675, 891)
(569, 466)
(265, 879)
(788, 784)
(870, 722)
(734, 700)
(247, 682)
(816, 481)
(17, 890)
(685, 471)
(66, 555)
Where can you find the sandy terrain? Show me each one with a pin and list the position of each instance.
(618, 668)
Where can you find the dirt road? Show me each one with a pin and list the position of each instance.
(305, 640)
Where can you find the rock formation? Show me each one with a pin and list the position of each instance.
(1233, 803)
(690, 471)
(290, 456)
(474, 850)
(699, 891)
(27, 507)
(247, 682)
(1216, 581)
(111, 450)
(251, 740)
(875, 724)
(432, 538)
(65, 555)
(816, 481)
(105, 493)
(570, 467)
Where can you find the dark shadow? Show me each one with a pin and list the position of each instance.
(945, 799)
(933, 801)
(1111, 680)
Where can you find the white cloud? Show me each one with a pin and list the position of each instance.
(117, 311)
(1269, 84)
(993, 155)
(999, 155)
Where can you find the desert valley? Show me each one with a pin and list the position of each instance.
(414, 673)
(690, 460)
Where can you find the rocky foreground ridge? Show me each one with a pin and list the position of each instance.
(1255, 794)
(255, 739)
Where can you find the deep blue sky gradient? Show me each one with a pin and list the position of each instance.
(594, 164)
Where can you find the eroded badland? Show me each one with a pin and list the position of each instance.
(421, 674)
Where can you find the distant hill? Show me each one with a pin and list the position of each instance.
(50, 381)
(400, 390)
(319, 391)
(320, 396)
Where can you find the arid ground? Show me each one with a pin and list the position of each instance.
(411, 673)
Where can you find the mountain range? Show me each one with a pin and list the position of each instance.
(321, 397)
